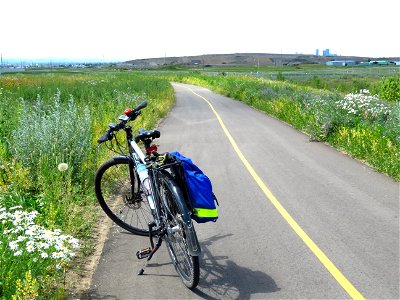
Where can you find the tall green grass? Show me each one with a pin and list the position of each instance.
(48, 130)
(362, 124)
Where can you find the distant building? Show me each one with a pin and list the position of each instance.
(379, 62)
(317, 52)
(341, 63)
(196, 62)
(325, 52)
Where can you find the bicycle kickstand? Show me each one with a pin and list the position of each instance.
(149, 252)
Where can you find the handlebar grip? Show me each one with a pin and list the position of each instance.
(140, 106)
(105, 137)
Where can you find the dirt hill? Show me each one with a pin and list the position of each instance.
(242, 59)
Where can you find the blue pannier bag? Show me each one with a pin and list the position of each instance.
(199, 190)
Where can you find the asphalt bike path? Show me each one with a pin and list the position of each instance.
(298, 219)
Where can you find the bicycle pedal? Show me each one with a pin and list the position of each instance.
(143, 253)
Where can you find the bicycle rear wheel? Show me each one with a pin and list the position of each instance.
(118, 192)
(173, 206)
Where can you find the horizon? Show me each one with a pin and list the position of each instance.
(102, 60)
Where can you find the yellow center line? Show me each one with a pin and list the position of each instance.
(340, 278)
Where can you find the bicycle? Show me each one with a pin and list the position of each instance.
(144, 194)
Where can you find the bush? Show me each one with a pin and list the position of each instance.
(50, 134)
(280, 76)
(390, 89)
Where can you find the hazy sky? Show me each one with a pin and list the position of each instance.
(129, 29)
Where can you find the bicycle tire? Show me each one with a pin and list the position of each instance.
(173, 204)
(117, 189)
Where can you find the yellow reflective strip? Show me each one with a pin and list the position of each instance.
(206, 213)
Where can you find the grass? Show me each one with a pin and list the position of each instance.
(50, 123)
(48, 130)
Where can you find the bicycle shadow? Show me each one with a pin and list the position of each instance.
(222, 278)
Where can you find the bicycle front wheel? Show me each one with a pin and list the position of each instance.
(173, 206)
(118, 192)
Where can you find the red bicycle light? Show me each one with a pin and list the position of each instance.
(128, 111)
(151, 149)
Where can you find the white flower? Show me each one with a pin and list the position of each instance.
(21, 238)
(43, 245)
(18, 253)
(30, 232)
(58, 267)
(44, 255)
(56, 255)
(62, 167)
(13, 245)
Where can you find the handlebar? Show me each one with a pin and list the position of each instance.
(130, 115)
(105, 137)
(136, 111)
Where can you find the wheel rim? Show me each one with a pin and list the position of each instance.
(180, 254)
(132, 212)
(176, 238)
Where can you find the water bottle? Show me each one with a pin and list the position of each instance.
(144, 179)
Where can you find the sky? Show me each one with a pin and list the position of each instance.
(120, 30)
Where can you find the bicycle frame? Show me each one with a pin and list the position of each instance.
(139, 157)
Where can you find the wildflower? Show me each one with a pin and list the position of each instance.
(62, 167)
(44, 255)
(74, 243)
(20, 238)
(18, 253)
(13, 245)
(30, 232)
(56, 255)
(58, 267)
(43, 245)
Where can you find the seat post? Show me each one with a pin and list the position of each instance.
(147, 143)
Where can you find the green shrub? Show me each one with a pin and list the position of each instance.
(52, 133)
(280, 76)
(390, 89)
